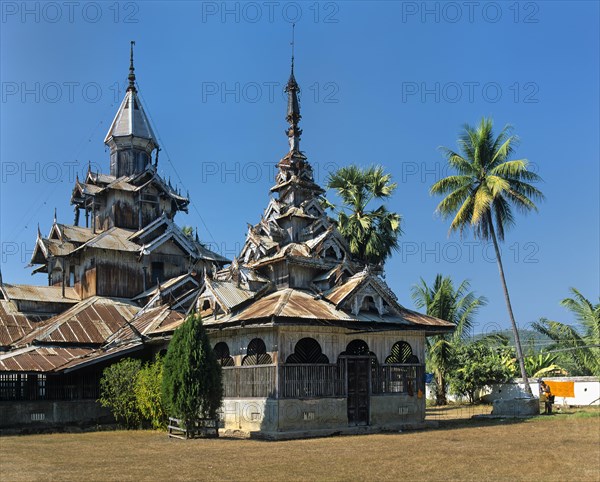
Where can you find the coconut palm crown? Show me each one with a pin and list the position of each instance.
(484, 190)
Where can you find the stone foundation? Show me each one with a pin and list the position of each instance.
(516, 407)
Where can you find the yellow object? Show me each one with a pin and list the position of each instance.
(562, 389)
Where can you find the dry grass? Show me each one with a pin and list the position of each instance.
(566, 446)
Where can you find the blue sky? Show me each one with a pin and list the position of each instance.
(383, 83)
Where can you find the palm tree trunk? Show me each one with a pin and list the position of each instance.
(510, 311)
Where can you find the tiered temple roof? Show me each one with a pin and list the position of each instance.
(296, 267)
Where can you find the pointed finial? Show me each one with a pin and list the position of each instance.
(131, 76)
(54, 215)
(39, 231)
(89, 166)
(197, 238)
(293, 108)
(292, 44)
(156, 160)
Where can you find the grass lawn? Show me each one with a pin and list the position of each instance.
(565, 447)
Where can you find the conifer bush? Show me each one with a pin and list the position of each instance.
(191, 384)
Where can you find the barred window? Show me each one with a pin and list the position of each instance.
(222, 351)
(257, 353)
(307, 350)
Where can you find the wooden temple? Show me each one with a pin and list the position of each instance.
(311, 341)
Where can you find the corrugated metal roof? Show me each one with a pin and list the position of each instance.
(100, 355)
(294, 304)
(76, 234)
(14, 324)
(228, 294)
(40, 359)
(91, 321)
(116, 239)
(48, 294)
(339, 293)
(130, 120)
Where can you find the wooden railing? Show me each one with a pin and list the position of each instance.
(312, 381)
(317, 380)
(398, 378)
(249, 381)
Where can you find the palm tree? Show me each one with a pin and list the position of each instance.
(579, 344)
(483, 192)
(371, 234)
(458, 306)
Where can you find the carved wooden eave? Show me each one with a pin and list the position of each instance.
(163, 230)
(297, 183)
(178, 293)
(352, 293)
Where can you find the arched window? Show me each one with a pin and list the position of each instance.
(307, 350)
(368, 304)
(257, 353)
(222, 352)
(357, 348)
(401, 352)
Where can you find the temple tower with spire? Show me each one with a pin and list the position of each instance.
(129, 241)
(130, 137)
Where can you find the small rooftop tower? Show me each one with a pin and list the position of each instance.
(130, 137)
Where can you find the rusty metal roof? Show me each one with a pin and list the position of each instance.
(49, 294)
(39, 359)
(296, 304)
(340, 293)
(99, 355)
(89, 322)
(14, 324)
(150, 321)
(228, 295)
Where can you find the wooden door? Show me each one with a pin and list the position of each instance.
(358, 370)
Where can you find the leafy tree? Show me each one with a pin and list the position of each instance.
(117, 394)
(483, 192)
(457, 305)
(580, 344)
(148, 394)
(191, 384)
(371, 233)
(477, 365)
(543, 365)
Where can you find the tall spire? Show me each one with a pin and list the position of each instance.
(130, 136)
(293, 108)
(131, 76)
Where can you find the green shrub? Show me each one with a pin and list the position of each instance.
(117, 394)
(191, 384)
(477, 365)
(148, 394)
